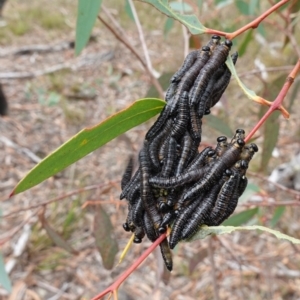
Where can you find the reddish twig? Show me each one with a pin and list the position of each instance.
(114, 287)
(136, 54)
(78, 191)
(278, 101)
(253, 24)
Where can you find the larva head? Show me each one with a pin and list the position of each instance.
(162, 229)
(137, 240)
(221, 139)
(240, 143)
(253, 147)
(211, 153)
(228, 43)
(244, 164)
(163, 207)
(126, 227)
(205, 49)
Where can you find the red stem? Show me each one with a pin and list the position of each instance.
(278, 101)
(131, 269)
(252, 24)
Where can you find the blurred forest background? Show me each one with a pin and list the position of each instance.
(51, 251)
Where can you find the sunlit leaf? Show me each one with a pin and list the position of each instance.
(86, 16)
(278, 213)
(190, 21)
(241, 218)
(205, 231)
(55, 237)
(4, 279)
(105, 242)
(218, 124)
(181, 7)
(90, 139)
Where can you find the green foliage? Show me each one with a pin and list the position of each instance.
(205, 231)
(190, 21)
(241, 218)
(86, 17)
(218, 124)
(278, 213)
(90, 139)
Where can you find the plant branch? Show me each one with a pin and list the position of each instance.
(78, 191)
(142, 39)
(112, 288)
(276, 104)
(253, 24)
(131, 48)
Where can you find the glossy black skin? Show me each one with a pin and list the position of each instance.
(182, 117)
(166, 254)
(181, 221)
(3, 103)
(156, 143)
(189, 78)
(170, 157)
(159, 124)
(127, 174)
(217, 58)
(201, 212)
(146, 192)
(130, 184)
(187, 149)
(220, 85)
(216, 170)
(196, 125)
(139, 234)
(186, 66)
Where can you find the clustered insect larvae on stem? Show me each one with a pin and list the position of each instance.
(176, 186)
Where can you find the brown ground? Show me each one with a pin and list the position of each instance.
(247, 265)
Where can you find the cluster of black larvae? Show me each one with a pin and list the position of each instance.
(177, 186)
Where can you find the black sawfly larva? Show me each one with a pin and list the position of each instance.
(190, 76)
(185, 155)
(166, 254)
(216, 170)
(186, 66)
(127, 174)
(182, 117)
(217, 58)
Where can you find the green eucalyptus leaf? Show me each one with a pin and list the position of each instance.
(90, 139)
(190, 21)
(205, 231)
(86, 17)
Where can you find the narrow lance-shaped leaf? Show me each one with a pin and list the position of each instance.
(218, 124)
(249, 93)
(86, 16)
(205, 231)
(103, 231)
(55, 237)
(90, 139)
(241, 218)
(190, 21)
